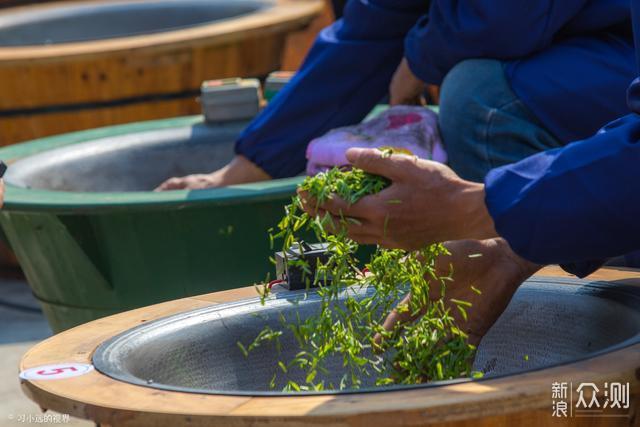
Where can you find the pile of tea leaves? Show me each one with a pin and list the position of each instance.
(349, 324)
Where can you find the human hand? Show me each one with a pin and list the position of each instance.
(434, 93)
(239, 171)
(491, 267)
(1, 193)
(405, 87)
(425, 203)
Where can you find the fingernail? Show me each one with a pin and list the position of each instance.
(353, 153)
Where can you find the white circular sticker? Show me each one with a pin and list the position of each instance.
(56, 372)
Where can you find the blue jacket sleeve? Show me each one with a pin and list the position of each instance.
(455, 30)
(346, 72)
(574, 205)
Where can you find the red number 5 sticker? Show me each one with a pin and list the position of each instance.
(56, 372)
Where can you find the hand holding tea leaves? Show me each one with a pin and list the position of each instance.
(484, 278)
(347, 325)
(426, 203)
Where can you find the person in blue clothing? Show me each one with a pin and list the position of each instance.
(575, 206)
(516, 77)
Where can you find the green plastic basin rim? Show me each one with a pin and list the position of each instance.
(19, 199)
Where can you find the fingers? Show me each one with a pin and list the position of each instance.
(365, 239)
(356, 231)
(394, 167)
(338, 207)
(399, 316)
(340, 217)
(396, 317)
(310, 204)
(193, 182)
(434, 93)
(172, 184)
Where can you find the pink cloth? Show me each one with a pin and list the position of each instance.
(411, 128)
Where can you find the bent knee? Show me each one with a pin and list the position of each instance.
(465, 100)
(470, 87)
(467, 96)
(466, 77)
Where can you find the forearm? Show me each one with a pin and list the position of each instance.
(574, 204)
(241, 170)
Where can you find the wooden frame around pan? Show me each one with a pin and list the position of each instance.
(14, 3)
(71, 86)
(523, 400)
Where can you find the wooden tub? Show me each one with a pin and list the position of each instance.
(67, 66)
(120, 392)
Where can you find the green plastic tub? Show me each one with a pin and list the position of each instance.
(93, 240)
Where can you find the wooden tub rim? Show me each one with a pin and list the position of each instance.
(99, 351)
(281, 14)
(459, 400)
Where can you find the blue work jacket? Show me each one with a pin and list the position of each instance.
(576, 205)
(570, 61)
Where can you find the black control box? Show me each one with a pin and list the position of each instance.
(294, 276)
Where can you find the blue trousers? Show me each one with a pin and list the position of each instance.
(483, 123)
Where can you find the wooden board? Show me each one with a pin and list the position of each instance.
(299, 43)
(523, 400)
(13, 3)
(39, 82)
